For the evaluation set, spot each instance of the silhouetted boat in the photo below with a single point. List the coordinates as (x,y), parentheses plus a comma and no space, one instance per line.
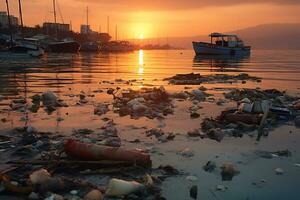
(221,44)
(27,46)
(90,47)
(20,48)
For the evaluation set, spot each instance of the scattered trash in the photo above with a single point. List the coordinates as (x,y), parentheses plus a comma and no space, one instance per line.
(197,79)
(101,109)
(40,177)
(148,102)
(160,135)
(221,188)
(169,170)
(279,171)
(118,187)
(191,178)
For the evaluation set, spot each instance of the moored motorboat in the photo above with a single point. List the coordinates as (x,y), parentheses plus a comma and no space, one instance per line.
(63,47)
(90,47)
(222,44)
(23,48)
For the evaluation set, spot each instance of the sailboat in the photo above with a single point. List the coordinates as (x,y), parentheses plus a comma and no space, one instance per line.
(64,46)
(20,48)
(90,46)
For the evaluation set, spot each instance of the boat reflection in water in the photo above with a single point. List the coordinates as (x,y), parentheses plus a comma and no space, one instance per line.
(221,63)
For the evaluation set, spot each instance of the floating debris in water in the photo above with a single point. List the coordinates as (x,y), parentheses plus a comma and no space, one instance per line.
(197,79)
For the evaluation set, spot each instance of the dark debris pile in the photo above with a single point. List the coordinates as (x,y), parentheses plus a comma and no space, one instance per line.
(148,102)
(197,79)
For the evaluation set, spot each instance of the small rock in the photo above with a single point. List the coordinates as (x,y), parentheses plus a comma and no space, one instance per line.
(202,88)
(169,170)
(221,188)
(101,109)
(74,192)
(180,95)
(199,95)
(297,122)
(55,197)
(195,115)
(296,105)
(33,196)
(194,133)
(228,172)
(59,119)
(82,96)
(36,98)
(49,98)
(279,171)
(83,131)
(186,153)
(216,134)
(31,129)
(191,178)
(194,192)
(39,177)
(263,154)
(220,102)
(93,195)
(210,166)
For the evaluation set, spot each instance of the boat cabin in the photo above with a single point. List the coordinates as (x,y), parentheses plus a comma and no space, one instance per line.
(225,40)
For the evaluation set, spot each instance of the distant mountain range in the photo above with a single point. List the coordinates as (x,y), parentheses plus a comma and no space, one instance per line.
(266,36)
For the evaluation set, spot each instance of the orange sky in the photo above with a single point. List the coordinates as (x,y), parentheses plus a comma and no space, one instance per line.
(162,18)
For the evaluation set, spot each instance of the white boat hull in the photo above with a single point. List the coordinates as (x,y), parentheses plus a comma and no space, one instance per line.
(202,48)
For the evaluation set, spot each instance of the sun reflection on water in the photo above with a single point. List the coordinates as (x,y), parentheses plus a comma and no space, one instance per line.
(141,62)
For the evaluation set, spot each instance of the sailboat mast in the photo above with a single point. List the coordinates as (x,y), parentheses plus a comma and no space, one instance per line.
(116,32)
(20,13)
(54,13)
(87,16)
(108,25)
(9,23)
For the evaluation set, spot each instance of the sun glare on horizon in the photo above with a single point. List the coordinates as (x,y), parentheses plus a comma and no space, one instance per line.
(141,36)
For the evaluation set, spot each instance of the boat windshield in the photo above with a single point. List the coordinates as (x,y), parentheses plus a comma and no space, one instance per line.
(225,40)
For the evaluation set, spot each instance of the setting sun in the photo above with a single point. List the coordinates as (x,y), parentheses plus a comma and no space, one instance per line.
(141,36)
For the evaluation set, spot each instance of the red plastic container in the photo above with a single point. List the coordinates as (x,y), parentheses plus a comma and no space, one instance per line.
(85,151)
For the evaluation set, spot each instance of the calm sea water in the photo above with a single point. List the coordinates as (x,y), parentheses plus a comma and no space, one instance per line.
(67,74)
(280,69)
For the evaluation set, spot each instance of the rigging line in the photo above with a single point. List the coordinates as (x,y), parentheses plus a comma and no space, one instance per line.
(59,11)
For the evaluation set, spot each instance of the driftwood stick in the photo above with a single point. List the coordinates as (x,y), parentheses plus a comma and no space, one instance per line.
(262,122)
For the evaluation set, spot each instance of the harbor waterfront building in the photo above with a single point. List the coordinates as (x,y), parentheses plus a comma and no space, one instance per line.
(4,20)
(85,29)
(58,26)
